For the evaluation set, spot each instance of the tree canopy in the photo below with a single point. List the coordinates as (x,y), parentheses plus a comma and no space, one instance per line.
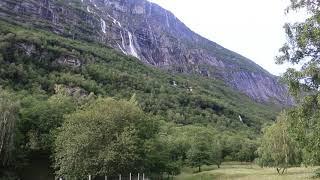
(103,138)
(303,47)
(205,149)
(278,149)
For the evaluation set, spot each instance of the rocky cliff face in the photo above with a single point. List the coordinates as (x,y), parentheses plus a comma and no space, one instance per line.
(150,33)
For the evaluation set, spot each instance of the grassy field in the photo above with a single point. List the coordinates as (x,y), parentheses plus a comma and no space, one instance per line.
(237,171)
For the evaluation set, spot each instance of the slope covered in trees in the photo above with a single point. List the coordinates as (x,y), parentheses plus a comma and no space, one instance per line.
(57,81)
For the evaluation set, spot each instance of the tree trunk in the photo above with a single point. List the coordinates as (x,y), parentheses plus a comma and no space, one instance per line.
(218,165)
(199,168)
(278,170)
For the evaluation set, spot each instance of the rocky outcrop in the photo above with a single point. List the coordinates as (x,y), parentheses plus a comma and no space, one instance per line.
(150,33)
(69,61)
(260,87)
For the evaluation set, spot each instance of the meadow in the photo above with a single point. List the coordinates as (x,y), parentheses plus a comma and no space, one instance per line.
(246,171)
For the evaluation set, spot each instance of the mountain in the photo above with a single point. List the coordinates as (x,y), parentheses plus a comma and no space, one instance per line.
(39,63)
(150,33)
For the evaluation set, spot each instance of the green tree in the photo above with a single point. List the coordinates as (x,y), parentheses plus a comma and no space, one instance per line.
(40,116)
(237,147)
(304,84)
(9,108)
(205,150)
(102,138)
(277,148)
(246,152)
(159,158)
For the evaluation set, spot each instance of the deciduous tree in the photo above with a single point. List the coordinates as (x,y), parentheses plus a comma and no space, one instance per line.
(277,148)
(205,149)
(303,47)
(9,108)
(104,138)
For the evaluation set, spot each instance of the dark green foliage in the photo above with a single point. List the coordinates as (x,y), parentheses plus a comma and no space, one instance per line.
(10,153)
(159,158)
(239,147)
(192,145)
(205,149)
(9,108)
(7,175)
(105,137)
(40,116)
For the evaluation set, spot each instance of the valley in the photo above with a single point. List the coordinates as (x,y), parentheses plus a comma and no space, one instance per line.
(95,88)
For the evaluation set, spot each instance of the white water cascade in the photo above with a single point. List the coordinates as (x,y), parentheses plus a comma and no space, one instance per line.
(132,49)
(122,41)
(88,9)
(103,26)
(240,118)
(124,52)
(174,83)
(114,20)
(167,19)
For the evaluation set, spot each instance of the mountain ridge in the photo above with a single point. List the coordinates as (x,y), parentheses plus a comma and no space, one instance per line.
(154,35)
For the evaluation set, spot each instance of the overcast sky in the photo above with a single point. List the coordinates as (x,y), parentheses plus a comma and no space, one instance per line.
(252,28)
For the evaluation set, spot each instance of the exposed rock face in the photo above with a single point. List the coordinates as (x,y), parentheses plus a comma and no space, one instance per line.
(70,91)
(151,34)
(69,61)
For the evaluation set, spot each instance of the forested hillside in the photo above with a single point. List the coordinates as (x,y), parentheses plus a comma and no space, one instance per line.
(46,77)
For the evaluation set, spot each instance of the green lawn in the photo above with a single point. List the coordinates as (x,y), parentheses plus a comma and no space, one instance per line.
(237,171)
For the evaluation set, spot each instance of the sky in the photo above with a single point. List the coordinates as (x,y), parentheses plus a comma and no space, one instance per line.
(252,28)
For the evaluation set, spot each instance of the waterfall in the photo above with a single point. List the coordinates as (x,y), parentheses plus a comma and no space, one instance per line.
(122,41)
(240,118)
(132,49)
(174,83)
(103,26)
(150,8)
(121,49)
(167,19)
(115,21)
(88,9)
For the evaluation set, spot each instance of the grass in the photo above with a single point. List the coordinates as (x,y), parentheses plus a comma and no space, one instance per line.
(238,171)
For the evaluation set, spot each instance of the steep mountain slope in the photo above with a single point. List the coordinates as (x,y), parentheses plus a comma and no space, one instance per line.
(150,33)
(38,63)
